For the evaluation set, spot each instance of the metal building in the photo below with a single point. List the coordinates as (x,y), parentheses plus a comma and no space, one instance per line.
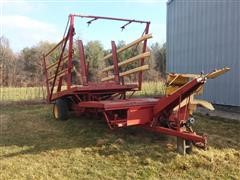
(204,35)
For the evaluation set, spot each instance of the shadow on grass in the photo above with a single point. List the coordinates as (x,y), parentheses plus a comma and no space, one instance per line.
(34,129)
(222,133)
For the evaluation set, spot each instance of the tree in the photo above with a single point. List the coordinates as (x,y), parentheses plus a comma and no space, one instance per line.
(31,60)
(26,69)
(159,56)
(7,63)
(94,53)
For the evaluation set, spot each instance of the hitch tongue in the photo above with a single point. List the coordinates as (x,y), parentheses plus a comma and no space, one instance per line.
(201,145)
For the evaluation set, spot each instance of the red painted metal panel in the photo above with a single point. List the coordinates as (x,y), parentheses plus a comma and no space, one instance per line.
(91,104)
(139,115)
(169,102)
(140,75)
(181,114)
(121,103)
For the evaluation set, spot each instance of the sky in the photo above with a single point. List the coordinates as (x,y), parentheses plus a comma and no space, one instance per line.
(27,22)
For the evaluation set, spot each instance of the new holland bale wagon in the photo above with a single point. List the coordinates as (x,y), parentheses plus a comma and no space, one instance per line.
(170,114)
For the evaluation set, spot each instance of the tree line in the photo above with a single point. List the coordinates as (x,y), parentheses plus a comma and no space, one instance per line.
(25,68)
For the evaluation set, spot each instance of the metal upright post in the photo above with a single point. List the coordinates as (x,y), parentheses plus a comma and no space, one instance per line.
(115,63)
(140,75)
(70,51)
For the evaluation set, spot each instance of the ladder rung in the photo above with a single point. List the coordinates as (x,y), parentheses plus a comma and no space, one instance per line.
(126,73)
(130,60)
(54,64)
(60,74)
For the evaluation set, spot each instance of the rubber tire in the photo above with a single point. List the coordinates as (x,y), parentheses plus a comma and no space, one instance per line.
(61,106)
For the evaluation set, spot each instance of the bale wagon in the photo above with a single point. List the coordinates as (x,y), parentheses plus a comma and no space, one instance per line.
(112,96)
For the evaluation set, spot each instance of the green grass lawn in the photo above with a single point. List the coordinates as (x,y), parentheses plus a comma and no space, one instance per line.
(38,93)
(35,146)
(21,93)
(152,88)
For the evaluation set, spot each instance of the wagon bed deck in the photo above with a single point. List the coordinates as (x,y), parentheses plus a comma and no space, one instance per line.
(120,103)
(97,88)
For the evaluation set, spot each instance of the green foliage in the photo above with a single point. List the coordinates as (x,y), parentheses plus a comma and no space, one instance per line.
(159,58)
(32,59)
(94,53)
(23,69)
(29,58)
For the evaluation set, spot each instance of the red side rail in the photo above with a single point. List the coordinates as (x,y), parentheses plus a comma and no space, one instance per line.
(53,67)
(164,110)
(185,135)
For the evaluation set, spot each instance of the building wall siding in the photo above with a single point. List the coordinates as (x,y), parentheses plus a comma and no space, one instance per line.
(203,36)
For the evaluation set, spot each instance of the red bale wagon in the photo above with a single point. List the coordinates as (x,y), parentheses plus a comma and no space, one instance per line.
(170,114)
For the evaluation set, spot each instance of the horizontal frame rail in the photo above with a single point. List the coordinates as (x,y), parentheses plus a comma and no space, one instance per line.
(54,64)
(61,73)
(135,70)
(147,36)
(130,60)
(109,18)
(55,47)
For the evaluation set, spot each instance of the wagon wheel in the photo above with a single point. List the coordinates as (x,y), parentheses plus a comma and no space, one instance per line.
(60,110)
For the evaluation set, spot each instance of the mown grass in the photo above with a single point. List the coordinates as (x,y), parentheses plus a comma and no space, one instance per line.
(152,88)
(35,146)
(39,93)
(22,93)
